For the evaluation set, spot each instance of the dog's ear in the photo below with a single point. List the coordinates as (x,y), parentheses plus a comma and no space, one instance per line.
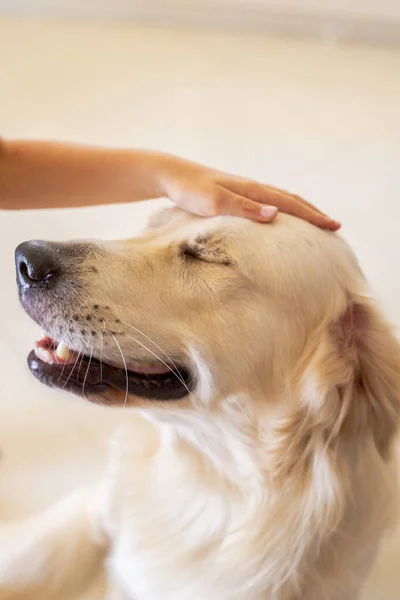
(357,366)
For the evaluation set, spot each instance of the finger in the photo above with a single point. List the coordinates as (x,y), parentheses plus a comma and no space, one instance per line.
(229,203)
(303,211)
(299,199)
(284,201)
(265,194)
(268,194)
(302,201)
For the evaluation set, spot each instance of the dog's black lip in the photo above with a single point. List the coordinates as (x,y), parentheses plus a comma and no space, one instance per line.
(90,377)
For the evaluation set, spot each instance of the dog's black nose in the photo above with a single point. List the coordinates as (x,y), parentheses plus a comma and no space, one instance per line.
(36,262)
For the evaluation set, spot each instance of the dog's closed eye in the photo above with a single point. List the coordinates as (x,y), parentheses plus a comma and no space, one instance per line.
(200,250)
(190,251)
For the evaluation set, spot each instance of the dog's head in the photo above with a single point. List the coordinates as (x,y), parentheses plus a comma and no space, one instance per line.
(194,310)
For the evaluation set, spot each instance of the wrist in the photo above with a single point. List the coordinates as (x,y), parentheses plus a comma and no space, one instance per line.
(164,167)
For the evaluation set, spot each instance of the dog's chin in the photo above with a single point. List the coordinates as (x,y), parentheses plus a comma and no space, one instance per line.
(97,380)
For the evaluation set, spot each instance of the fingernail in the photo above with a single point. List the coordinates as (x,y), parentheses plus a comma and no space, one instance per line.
(268,212)
(331,220)
(335,223)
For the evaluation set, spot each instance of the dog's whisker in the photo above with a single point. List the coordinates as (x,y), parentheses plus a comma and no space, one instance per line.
(62,370)
(179,374)
(164,363)
(101,353)
(126,369)
(174,370)
(82,357)
(73,369)
(87,371)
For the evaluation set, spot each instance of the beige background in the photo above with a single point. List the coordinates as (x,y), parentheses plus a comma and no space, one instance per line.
(371,20)
(320,119)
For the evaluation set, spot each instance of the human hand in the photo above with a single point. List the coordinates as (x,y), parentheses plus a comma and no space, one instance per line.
(36,174)
(207,192)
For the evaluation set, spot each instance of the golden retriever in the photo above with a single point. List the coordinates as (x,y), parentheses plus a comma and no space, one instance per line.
(256,461)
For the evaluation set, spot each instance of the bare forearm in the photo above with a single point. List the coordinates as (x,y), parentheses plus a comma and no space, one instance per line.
(55,175)
(49,175)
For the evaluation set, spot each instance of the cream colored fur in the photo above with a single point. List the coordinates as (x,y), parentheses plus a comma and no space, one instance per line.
(275,479)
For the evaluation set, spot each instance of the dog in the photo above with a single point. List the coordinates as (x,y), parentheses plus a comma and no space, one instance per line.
(262,393)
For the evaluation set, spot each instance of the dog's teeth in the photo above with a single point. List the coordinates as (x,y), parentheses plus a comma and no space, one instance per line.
(44,355)
(62,351)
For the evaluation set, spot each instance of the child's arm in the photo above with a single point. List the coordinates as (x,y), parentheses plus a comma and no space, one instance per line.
(50,175)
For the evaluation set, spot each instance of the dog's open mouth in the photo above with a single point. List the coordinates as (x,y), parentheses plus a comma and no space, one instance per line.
(56,365)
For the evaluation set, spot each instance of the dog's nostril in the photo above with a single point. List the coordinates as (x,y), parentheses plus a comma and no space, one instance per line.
(23,270)
(35,272)
(35,263)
